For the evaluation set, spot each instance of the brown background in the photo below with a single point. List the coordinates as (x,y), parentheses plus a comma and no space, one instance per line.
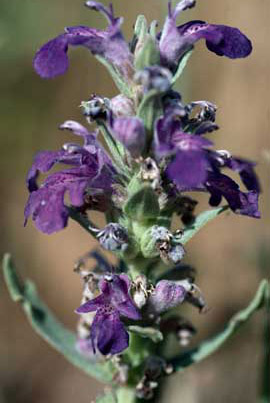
(226,253)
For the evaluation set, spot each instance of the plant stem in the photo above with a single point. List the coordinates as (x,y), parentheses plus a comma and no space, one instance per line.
(126,395)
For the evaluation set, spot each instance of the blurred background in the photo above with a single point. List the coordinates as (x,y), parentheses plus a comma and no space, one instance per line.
(228,254)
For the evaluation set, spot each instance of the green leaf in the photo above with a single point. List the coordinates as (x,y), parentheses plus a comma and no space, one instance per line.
(142,205)
(181,66)
(210,346)
(200,221)
(148,55)
(265,392)
(126,395)
(140,28)
(47,326)
(107,398)
(149,110)
(121,84)
(147,332)
(153,28)
(116,149)
(119,395)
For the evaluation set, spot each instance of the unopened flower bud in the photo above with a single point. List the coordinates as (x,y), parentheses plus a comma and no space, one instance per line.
(122,106)
(130,132)
(113,237)
(167,295)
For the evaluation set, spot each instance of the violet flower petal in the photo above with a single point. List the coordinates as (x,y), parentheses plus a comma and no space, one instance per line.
(51,60)
(241,203)
(188,169)
(131,133)
(93,304)
(220,39)
(112,338)
(43,162)
(117,291)
(47,208)
(246,171)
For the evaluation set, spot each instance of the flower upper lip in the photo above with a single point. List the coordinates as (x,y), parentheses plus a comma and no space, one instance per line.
(51,59)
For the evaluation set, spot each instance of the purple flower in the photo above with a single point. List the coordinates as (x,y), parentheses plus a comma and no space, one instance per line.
(91,171)
(122,106)
(220,39)
(52,60)
(168,295)
(192,166)
(108,332)
(245,169)
(191,160)
(220,185)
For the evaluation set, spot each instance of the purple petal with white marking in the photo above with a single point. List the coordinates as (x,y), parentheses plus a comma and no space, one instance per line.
(46,205)
(52,60)
(220,39)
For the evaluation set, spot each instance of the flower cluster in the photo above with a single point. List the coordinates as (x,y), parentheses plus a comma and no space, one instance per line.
(157,153)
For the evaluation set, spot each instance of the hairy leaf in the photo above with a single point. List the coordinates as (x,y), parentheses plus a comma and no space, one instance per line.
(208,347)
(200,221)
(148,332)
(265,393)
(149,110)
(181,66)
(148,55)
(109,397)
(142,205)
(140,28)
(47,326)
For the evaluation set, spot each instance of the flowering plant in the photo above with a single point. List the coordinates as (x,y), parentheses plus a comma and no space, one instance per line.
(153,155)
